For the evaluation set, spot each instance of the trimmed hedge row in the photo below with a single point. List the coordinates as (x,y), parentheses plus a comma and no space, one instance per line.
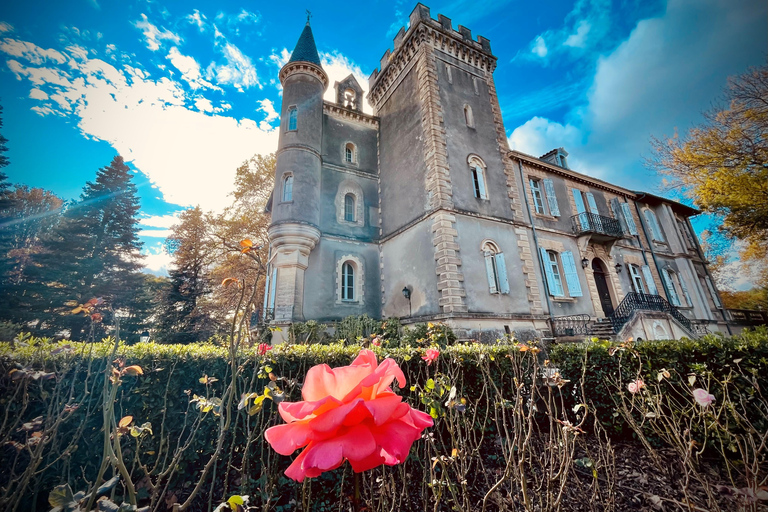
(485,376)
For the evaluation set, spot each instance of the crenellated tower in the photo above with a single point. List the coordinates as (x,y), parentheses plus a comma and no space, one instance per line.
(296,208)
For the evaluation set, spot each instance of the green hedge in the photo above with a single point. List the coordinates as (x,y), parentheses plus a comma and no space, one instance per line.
(485,376)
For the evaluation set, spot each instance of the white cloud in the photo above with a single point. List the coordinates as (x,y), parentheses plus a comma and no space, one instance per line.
(539,47)
(204,105)
(268,108)
(189,69)
(662,76)
(154,35)
(5,27)
(234,21)
(237,70)
(30,52)
(37,94)
(155,233)
(156,260)
(160,221)
(199,19)
(191,156)
(578,38)
(280,59)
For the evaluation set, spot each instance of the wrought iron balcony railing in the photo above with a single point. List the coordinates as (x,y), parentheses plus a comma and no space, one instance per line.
(645,302)
(587,222)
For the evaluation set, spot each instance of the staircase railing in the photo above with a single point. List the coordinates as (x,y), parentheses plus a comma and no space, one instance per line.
(645,302)
(571,325)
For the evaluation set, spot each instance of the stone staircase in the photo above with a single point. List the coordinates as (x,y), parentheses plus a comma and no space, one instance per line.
(602,328)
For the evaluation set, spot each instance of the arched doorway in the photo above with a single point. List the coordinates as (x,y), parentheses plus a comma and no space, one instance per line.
(601,281)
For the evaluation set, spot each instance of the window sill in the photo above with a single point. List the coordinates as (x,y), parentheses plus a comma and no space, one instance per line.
(286,202)
(563,299)
(544,216)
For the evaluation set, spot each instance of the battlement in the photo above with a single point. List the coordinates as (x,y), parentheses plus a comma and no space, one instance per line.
(421,16)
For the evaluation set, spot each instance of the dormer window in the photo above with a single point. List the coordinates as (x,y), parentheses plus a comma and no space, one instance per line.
(563,161)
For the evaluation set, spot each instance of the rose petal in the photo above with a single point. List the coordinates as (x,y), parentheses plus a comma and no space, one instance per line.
(356,443)
(334,418)
(294,411)
(383,407)
(286,439)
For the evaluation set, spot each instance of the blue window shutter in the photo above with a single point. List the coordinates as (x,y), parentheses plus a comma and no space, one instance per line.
(571,274)
(580,208)
(273,287)
(552,285)
(593,208)
(687,295)
(266,296)
(549,187)
(628,218)
(490,272)
(481,182)
(650,284)
(713,292)
(670,287)
(617,214)
(501,269)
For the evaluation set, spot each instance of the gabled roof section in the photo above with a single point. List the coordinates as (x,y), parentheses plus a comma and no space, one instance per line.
(306,50)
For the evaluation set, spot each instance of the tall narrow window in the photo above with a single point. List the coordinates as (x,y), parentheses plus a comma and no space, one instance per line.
(495,268)
(350,154)
(479,182)
(552,269)
(674,297)
(347,282)
(468,117)
(538,201)
(349,208)
(653,225)
(636,278)
(288,188)
(292,118)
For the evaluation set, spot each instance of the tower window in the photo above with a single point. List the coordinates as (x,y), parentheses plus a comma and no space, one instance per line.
(349,208)
(477,168)
(293,115)
(350,153)
(347,281)
(288,188)
(468,117)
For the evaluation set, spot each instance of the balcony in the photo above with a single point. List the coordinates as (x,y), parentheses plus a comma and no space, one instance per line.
(600,229)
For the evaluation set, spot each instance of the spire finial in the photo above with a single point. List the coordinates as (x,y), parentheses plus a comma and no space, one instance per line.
(309,15)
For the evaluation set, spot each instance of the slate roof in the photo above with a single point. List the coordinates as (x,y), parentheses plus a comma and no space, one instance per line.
(306,50)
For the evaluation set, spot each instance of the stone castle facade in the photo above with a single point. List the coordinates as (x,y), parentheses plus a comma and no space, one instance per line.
(422,212)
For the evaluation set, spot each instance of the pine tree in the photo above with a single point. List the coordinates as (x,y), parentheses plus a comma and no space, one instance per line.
(183,317)
(93,252)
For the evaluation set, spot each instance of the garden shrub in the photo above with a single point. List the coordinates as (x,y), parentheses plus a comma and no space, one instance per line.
(488,445)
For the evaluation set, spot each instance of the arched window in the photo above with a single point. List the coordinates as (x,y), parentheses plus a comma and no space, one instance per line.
(288,188)
(495,268)
(653,225)
(468,117)
(350,153)
(349,208)
(347,281)
(293,115)
(477,168)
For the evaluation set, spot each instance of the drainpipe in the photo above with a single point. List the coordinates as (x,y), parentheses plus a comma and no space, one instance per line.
(709,275)
(536,246)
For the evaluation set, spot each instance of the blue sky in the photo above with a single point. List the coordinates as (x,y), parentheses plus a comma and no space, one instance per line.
(186,91)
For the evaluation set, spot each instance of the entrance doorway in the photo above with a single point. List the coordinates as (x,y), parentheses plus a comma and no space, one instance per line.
(601,281)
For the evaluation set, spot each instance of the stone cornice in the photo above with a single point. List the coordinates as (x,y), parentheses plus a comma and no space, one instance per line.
(572,175)
(299,147)
(301,67)
(355,172)
(347,114)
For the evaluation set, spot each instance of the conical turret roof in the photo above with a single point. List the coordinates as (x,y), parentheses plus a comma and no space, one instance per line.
(306,50)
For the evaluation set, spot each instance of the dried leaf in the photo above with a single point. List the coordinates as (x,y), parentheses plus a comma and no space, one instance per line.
(132,370)
(228,281)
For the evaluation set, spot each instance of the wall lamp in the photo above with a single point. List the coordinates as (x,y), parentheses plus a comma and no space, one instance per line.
(407,295)
(618,268)
(584,263)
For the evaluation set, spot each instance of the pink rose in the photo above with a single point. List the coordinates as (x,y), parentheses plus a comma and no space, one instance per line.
(702,397)
(348,413)
(635,386)
(430,355)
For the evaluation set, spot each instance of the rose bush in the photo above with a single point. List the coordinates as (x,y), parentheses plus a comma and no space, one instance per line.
(348,413)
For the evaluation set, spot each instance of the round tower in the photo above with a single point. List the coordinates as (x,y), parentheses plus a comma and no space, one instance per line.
(294,230)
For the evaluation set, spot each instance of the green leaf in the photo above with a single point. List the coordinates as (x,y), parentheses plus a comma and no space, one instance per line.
(430,384)
(61,496)
(234,501)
